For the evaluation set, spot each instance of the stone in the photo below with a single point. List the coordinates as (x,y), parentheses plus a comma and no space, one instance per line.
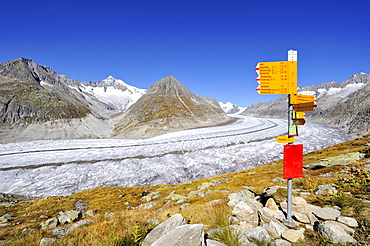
(79,224)
(271,190)
(352,222)
(91,212)
(326,213)
(298,201)
(182,235)
(271,204)
(343,226)
(247,211)
(257,234)
(149,205)
(108,215)
(163,228)
(151,196)
(60,231)
(293,235)
(327,189)
(211,242)
(266,215)
(69,216)
(47,241)
(334,233)
(239,196)
(339,160)
(275,229)
(81,206)
(50,224)
(303,218)
(281,242)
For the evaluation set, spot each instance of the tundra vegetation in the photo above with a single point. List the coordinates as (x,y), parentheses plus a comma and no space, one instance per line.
(121,216)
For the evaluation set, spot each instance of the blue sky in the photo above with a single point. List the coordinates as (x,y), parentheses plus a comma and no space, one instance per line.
(212,47)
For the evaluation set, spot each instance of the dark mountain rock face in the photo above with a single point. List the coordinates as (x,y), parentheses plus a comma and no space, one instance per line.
(345,105)
(168,106)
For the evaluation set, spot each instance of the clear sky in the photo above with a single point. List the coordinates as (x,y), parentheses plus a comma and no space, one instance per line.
(211,46)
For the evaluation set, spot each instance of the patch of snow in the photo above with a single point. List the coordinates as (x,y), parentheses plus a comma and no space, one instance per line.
(349,89)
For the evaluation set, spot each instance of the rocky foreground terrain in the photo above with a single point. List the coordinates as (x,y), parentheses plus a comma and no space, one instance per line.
(331,205)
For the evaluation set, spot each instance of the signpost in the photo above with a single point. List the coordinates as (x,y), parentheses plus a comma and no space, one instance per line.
(280,77)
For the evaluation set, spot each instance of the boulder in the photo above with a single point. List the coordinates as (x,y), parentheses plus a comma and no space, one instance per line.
(334,233)
(352,222)
(280,242)
(50,224)
(239,196)
(326,213)
(185,235)
(266,215)
(47,241)
(151,196)
(258,235)
(327,189)
(247,211)
(275,229)
(271,204)
(293,235)
(163,228)
(69,216)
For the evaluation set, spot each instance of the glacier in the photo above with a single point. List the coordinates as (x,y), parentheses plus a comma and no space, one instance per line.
(63,167)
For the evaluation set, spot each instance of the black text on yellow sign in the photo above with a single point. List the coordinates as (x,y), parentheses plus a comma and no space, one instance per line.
(277,77)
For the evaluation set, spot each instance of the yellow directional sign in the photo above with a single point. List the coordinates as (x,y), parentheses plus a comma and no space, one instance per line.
(298,115)
(297,99)
(304,106)
(277,77)
(284,139)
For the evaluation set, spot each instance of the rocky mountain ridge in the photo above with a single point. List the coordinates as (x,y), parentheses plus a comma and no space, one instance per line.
(345,105)
(38,103)
(166,107)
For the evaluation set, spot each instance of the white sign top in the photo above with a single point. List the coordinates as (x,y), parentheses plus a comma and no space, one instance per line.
(292,55)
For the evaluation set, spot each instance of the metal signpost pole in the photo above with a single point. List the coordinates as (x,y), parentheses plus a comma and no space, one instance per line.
(290,181)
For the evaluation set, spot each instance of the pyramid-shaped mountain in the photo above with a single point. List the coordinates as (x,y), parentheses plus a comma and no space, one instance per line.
(168,106)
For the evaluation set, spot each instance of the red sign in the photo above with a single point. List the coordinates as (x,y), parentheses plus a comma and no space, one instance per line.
(293,161)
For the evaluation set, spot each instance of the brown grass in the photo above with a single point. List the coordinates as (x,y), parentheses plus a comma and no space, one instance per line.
(130,222)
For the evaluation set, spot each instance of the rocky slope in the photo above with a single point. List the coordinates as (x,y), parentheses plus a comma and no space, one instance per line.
(168,106)
(345,105)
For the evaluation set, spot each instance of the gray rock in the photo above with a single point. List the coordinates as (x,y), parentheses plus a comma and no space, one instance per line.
(50,224)
(280,242)
(151,196)
(258,234)
(339,160)
(266,215)
(69,216)
(81,206)
(352,222)
(108,216)
(91,212)
(326,213)
(163,228)
(47,241)
(210,242)
(60,231)
(241,195)
(275,229)
(293,235)
(334,233)
(247,211)
(327,189)
(185,235)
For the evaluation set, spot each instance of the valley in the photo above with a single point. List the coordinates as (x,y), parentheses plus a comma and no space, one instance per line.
(66,166)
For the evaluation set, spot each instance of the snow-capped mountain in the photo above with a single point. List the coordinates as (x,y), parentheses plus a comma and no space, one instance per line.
(230,108)
(113,92)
